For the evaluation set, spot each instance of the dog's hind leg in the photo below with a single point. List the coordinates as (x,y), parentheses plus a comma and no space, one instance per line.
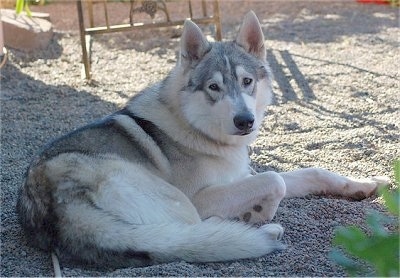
(100,237)
(98,232)
(252,199)
(115,213)
(318,181)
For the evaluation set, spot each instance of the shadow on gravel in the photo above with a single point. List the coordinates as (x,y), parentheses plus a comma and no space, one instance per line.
(327,62)
(35,100)
(141,41)
(288,92)
(331,23)
(303,95)
(32,113)
(355,120)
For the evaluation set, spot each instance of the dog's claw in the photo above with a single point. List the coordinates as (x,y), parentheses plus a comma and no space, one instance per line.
(274,231)
(381,181)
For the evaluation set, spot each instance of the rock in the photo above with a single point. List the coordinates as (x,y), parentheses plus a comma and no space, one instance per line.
(38,15)
(25,33)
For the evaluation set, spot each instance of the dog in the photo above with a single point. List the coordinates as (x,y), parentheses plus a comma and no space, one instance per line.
(167,177)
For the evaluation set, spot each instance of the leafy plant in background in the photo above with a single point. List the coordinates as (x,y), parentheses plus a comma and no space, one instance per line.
(21,5)
(379,248)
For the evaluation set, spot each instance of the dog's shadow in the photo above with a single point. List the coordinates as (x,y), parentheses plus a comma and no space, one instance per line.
(32,113)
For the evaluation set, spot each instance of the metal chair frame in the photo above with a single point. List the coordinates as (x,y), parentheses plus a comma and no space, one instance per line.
(87,32)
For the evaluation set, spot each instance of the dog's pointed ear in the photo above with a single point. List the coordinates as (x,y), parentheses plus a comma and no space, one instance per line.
(251,37)
(193,43)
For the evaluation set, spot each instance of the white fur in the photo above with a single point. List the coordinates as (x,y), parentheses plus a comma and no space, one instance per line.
(157,217)
(214,120)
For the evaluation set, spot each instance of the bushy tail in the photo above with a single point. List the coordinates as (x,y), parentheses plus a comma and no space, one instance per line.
(34,208)
(208,242)
(140,245)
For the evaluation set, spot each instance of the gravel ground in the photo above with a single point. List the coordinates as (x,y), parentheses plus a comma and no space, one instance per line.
(337,106)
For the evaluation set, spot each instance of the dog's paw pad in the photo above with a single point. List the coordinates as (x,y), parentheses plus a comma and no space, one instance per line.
(246,217)
(274,231)
(257,208)
(359,195)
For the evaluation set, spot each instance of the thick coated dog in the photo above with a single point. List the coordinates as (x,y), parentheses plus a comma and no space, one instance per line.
(163,178)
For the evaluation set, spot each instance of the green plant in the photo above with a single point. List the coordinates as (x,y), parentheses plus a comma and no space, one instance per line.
(21,5)
(379,248)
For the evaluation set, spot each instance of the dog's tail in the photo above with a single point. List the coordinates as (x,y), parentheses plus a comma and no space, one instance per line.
(140,245)
(209,241)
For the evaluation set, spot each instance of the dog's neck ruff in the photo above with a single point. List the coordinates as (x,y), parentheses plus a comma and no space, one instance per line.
(152,111)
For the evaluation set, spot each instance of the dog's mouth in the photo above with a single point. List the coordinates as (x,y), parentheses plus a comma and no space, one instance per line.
(244,132)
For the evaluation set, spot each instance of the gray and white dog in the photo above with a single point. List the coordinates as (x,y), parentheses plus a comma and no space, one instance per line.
(162,179)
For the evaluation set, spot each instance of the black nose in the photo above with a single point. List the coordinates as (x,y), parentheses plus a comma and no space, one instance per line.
(244,121)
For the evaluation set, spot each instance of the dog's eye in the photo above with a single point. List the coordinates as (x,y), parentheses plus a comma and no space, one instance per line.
(247,81)
(213,87)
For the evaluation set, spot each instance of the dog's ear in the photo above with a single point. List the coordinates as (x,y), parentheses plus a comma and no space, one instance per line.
(251,37)
(193,43)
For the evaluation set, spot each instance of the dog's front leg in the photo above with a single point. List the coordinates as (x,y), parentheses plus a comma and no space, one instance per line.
(242,198)
(317,181)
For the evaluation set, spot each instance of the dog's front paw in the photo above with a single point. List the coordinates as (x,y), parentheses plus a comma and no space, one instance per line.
(367,187)
(380,181)
(274,231)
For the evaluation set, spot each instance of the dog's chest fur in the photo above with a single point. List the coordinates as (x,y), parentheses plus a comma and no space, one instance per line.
(192,174)
(194,160)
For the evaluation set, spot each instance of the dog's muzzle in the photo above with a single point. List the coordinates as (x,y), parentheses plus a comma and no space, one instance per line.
(244,123)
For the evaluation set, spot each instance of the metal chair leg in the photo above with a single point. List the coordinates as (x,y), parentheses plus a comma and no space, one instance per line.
(84,42)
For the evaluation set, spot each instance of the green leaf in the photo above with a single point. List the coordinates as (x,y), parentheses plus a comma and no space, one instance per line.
(396,167)
(383,254)
(19,6)
(392,200)
(343,235)
(375,221)
(28,11)
(380,249)
(350,265)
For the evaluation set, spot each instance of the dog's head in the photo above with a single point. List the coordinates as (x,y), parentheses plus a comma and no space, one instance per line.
(227,85)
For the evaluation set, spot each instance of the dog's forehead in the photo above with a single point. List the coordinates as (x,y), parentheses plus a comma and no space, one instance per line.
(227,58)
(236,57)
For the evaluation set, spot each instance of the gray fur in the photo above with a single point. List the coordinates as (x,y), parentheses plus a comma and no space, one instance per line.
(55,186)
